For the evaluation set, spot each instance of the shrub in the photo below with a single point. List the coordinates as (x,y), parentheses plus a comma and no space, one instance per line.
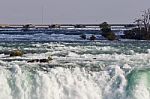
(110,36)
(106,31)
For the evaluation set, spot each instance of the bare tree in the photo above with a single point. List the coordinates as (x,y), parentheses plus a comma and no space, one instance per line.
(144,20)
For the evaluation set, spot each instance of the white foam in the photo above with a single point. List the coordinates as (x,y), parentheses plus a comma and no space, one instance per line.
(22,80)
(5,90)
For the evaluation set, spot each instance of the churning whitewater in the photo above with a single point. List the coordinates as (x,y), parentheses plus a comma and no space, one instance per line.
(79,70)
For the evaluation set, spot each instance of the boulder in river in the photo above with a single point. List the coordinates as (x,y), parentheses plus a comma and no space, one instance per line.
(83,36)
(16,53)
(92,37)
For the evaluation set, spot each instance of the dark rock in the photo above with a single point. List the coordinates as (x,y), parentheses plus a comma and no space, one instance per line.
(40,60)
(36,60)
(32,61)
(43,60)
(92,37)
(83,36)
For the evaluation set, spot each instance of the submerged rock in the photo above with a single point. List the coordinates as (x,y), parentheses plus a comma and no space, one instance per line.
(43,60)
(33,60)
(40,60)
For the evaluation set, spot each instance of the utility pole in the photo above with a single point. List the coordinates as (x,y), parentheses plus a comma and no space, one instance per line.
(42,14)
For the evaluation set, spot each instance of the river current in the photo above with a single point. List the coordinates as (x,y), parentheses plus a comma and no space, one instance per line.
(79,70)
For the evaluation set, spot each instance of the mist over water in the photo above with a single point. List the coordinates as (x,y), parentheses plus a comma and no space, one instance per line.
(79,70)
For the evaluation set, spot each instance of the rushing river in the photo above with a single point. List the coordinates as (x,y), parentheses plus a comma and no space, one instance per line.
(79,70)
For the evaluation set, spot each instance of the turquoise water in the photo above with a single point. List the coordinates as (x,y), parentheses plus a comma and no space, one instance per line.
(79,70)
